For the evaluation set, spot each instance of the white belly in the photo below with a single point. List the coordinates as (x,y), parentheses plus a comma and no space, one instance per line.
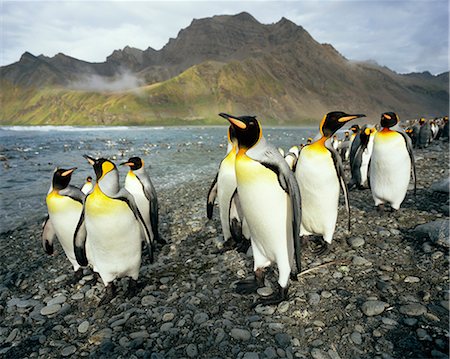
(319,190)
(226,185)
(390,170)
(267,210)
(113,240)
(65,213)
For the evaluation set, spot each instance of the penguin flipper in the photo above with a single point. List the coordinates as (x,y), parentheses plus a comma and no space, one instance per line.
(128,198)
(212,193)
(79,241)
(409,147)
(273,160)
(48,235)
(235,218)
(150,194)
(341,176)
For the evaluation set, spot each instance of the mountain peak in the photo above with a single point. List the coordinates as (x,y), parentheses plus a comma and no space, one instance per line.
(245,16)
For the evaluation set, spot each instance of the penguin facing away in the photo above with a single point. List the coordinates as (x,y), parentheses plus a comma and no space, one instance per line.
(391,163)
(270,201)
(359,164)
(64,205)
(111,229)
(139,184)
(234,228)
(319,175)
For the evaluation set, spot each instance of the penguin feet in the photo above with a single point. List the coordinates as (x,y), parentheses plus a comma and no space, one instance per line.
(380,208)
(228,245)
(133,288)
(76,277)
(243,246)
(277,297)
(109,295)
(249,286)
(322,248)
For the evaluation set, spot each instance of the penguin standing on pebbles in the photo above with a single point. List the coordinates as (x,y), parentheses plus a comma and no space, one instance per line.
(64,204)
(111,229)
(319,175)
(139,184)
(270,201)
(391,163)
(234,228)
(88,186)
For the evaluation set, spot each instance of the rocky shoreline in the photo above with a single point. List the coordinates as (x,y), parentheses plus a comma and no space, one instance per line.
(382,292)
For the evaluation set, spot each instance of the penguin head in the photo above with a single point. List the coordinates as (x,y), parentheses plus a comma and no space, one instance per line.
(355,128)
(134,163)
(61,178)
(89,179)
(333,121)
(309,140)
(247,129)
(232,135)
(389,119)
(101,166)
(422,121)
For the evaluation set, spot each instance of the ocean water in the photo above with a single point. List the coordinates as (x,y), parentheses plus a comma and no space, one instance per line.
(173,156)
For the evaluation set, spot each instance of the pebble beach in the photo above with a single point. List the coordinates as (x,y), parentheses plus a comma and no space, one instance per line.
(381,292)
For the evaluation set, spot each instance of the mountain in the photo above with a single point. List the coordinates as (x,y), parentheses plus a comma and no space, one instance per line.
(223,63)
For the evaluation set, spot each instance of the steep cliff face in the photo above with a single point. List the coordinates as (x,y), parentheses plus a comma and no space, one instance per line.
(277,71)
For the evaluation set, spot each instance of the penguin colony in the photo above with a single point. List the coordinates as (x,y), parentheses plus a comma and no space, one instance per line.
(273,201)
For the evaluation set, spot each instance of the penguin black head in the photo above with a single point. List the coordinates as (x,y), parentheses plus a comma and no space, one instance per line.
(61,178)
(134,163)
(355,128)
(333,121)
(389,119)
(309,140)
(101,166)
(89,179)
(422,121)
(231,134)
(247,129)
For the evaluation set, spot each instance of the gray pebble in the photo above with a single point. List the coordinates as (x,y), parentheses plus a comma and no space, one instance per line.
(57,300)
(423,335)
(373,307)
(166,326)
(77,296)
(326,294)
(313,298)
(51,309)
(319,354)
(240,334)
(250,355)
(283,339)
(83,327)
(265,291)
(263,309)
(167,317)
(356,338)
(410,321)
(356,242)
(69,350)
(283,307)
(192,351)
(413,309)
(411,279)
(200,318)
(148,300)
(360,261)
(389,321)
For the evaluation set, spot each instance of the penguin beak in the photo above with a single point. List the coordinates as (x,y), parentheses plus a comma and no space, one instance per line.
(89,159)
(234,121)
(350,117)
(68,172)
(126,163)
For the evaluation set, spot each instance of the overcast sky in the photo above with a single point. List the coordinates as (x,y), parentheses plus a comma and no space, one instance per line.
(406,36)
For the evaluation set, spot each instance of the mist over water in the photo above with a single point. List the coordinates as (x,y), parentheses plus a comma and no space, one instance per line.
(173,157)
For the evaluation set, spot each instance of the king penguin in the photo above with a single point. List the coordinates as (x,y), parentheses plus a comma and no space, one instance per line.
(88,186)
(139,184)
(111,229)
(224,187)
(319,174)
(64,204)
(391,163)
(270,201)
(359,163)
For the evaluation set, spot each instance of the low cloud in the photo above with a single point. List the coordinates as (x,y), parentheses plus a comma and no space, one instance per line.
(121,82)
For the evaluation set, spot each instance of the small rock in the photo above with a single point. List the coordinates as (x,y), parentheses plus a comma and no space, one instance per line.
(410,321)
(441,186)
(411,279)
(326,294)
(250,355)
(356,242)
(356,338)
(167,317)
(192,351)
(313,298)
(69,350)
(148,300)
(283,339)
(57,300)
(373,307)
(444,304)
(283,307)
(423,335)
(240,334)
(270,353)
(166,327)
(413,309)
(319,354)
(319,323)
(51,309)
(389,321)
(83,327)
(265,291)
(360,261)
(200,318)
(12,335)
(266,309)
(77,296)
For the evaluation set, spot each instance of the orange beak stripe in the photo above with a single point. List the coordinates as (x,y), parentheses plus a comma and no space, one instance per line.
(237,123)
(68,172)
